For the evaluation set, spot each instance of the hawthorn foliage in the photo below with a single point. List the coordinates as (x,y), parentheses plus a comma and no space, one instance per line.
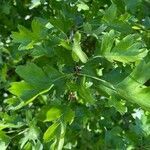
(75,74)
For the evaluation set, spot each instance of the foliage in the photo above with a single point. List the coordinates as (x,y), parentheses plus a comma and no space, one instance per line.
(75,74)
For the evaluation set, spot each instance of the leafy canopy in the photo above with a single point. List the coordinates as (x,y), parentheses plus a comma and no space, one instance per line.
(75,74)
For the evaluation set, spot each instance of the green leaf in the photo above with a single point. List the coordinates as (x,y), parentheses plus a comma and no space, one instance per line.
(32,133)
(39,145)
(120,5)
(37,82)
(118,105)
(129,49)
(77,76)
(26,92)
(87,28)
(65,44)
(110,14)
(61,139)
(107,42)
(4,140)
(77,48)
(86,95)
(69,115)
(39,29)
(132,5)
(138,77)
(50,113)
(53,74)
(27,146)
(34,75)
(82,6)
(132,88)
(9,125)
(139,96)
(35,3)
(24,37)
(62,23)
(84,92)
(27,38)
(51,132)
(23,90)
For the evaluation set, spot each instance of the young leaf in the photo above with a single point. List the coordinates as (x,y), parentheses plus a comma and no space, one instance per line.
(50,113)
(51,132)
(77,48)
(107,42)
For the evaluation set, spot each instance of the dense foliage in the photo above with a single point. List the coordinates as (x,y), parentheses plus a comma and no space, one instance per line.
(75,74)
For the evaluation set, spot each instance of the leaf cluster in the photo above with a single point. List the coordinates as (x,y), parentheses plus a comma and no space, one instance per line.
(75,74)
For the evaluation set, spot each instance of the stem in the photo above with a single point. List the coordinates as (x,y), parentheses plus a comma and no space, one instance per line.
(105,83)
